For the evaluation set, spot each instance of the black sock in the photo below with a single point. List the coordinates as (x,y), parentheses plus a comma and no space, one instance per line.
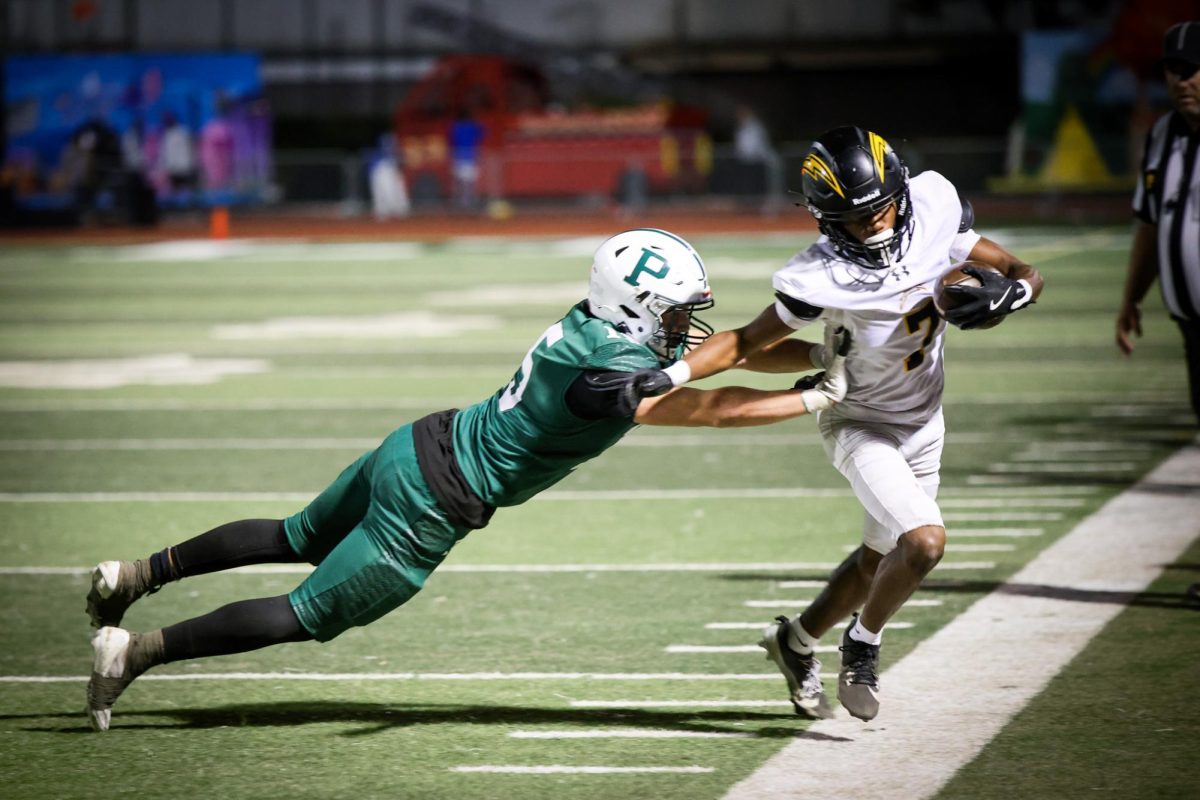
(235,628)
(235,544)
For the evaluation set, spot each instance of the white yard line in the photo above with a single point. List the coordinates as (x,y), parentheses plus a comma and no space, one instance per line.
(599,495)
(732,566)
(914,602)
(334,443)
(393,404)
(558,769)
(156,497)
(680,703)
(415,676)
(758,626)
(630,733)
(1009,502)
(1003,516)
(1035,467)
(959,548)
(982,533)
(1016,491)
(559,495)
(1038,457)
(1010,644)
(1015,482)
(1070,446)
(710,649)
(70,445)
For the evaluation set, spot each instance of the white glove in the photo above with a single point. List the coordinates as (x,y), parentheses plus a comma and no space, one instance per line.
(833,385)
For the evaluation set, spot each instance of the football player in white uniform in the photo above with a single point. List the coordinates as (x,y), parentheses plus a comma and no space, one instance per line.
(886,240)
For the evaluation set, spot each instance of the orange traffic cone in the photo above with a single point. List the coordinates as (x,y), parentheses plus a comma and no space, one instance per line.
(218,223)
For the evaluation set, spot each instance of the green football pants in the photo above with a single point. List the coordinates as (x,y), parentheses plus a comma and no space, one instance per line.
(375,535)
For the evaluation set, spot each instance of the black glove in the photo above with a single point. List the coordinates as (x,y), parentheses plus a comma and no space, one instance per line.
(650,383)
(979,305)
(809,381)
(632,387)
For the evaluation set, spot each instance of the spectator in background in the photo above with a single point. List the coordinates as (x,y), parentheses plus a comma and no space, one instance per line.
(216,149)
(177,154)
(752,146)
(389,195)
(1167,205)
(750,141)
(466,138)
(95,162)
(133,155)
(138,197)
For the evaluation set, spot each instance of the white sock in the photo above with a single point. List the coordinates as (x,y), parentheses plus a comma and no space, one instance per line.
(860,634)
(799,639)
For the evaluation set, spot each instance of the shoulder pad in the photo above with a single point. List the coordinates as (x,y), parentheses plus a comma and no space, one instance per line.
(968,216)
(799,308)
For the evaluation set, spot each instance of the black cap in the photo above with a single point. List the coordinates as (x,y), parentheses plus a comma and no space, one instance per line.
(1182,42)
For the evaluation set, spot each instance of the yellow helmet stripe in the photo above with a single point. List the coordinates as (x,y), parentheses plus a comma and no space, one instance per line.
(879,148)
(814,166)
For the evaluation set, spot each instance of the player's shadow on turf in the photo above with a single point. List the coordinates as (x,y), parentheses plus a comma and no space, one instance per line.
(378,717)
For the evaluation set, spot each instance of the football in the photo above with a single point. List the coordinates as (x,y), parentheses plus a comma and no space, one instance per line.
(945,301)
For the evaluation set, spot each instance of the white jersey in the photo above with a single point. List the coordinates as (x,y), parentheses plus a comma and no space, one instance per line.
(894,369)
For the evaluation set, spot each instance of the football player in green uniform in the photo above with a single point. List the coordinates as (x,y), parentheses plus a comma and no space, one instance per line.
(378,531)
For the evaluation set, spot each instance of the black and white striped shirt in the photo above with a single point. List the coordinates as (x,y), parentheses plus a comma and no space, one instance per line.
(1168,196)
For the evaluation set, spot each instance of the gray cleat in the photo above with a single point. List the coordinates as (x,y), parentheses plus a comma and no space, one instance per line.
(858,681)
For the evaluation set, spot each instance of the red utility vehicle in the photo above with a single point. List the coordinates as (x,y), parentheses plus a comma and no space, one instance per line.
(532,149)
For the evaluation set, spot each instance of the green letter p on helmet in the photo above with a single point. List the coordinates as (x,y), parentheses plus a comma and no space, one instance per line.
(638,277)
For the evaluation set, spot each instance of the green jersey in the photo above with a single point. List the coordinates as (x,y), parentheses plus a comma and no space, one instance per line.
(524,438)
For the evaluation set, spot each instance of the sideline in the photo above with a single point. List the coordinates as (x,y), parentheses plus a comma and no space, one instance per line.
(950,696)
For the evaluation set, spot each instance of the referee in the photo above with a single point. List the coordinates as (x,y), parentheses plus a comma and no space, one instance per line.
(1166,243)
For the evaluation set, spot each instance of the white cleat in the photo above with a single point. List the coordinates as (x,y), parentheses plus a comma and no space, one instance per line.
(115,587)
(110,674)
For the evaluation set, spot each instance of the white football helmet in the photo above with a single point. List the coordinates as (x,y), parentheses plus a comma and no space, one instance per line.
(638,277)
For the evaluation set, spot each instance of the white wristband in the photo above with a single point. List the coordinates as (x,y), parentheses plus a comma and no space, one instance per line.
(679,373)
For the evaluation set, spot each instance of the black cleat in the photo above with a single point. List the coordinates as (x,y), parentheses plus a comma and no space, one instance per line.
(803,673)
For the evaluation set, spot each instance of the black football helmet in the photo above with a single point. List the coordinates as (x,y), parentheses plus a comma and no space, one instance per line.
(849,172)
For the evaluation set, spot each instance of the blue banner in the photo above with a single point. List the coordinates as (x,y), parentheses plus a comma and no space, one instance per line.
(195,127)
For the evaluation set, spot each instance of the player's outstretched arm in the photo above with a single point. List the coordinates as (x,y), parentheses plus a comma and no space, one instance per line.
(725,349)
(786,355)
(739,406)
(719,352)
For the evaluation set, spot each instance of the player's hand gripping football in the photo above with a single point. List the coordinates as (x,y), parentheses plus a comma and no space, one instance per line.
(821,391)
(997,296)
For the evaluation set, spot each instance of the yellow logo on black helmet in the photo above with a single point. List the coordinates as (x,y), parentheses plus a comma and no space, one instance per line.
(816,168)
(879,148)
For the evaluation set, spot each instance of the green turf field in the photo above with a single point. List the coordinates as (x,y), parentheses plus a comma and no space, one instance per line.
(150,393)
